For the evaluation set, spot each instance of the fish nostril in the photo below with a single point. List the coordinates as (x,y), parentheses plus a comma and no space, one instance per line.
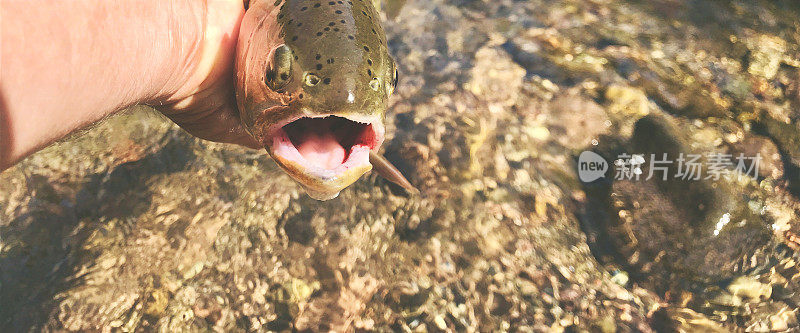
(375,84)
(311,80)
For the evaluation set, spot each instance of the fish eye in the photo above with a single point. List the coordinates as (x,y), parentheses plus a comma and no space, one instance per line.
(279,72)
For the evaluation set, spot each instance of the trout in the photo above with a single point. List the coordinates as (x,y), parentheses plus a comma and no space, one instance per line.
(312,83)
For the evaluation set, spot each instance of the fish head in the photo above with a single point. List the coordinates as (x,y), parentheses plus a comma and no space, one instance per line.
(313,79)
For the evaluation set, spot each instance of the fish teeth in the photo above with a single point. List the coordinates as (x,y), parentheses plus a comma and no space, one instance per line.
(360,118)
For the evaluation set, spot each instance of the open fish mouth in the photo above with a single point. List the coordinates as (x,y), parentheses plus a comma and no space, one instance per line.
(325,153)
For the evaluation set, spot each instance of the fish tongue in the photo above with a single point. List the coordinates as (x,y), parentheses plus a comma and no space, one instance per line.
(321,149)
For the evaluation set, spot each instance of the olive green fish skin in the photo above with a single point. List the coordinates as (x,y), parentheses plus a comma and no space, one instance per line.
(343,44)
(339,44)
(301,58)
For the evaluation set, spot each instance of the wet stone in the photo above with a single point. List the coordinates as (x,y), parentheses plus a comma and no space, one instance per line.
(770,164)
(685,236)
(576,120)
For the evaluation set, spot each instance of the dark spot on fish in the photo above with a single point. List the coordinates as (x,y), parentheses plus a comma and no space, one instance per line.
(294,38)
(327,80)
(304,8)
(319,33)
(342,21)
(350,37)
(335,29)
(366,48)
(327,29)
(319,66)
(332,24)
(316,5)
(300,24)
(331,3)
(369,72)
(318,57)
(300,96)
(338,11)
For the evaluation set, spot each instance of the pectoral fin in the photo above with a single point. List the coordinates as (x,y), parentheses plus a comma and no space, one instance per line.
(385,168)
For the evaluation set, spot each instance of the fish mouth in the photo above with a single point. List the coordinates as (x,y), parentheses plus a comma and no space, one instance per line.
(325,153)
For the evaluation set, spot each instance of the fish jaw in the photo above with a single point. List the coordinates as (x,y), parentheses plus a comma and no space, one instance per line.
(325,153)
(334,62)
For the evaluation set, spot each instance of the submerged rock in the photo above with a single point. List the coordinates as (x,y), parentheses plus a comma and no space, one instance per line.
(703,240)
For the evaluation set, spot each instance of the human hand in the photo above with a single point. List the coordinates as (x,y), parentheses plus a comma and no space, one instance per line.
(204,102)
(67,64)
